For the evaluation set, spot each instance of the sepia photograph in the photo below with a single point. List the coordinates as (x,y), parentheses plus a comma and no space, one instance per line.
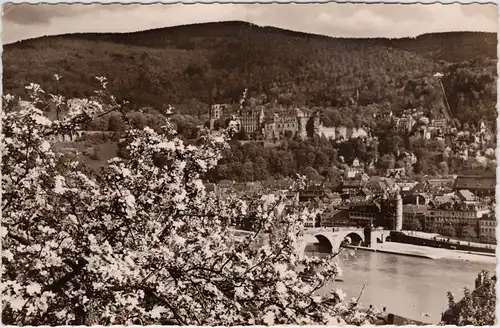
(248,164)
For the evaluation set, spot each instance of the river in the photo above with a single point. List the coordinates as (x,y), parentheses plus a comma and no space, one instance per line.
(405,285)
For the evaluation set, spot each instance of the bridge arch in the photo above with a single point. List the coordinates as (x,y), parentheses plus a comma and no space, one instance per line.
(354,238)
(331,239)
(324,244)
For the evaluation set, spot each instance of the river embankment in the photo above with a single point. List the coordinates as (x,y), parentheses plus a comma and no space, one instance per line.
(428,252)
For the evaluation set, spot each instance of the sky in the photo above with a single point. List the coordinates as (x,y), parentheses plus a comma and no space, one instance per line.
(23,21)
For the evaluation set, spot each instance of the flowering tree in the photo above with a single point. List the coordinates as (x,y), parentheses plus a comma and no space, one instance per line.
(143,242)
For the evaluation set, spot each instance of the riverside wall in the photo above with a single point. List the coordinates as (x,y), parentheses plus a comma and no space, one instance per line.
(399,237)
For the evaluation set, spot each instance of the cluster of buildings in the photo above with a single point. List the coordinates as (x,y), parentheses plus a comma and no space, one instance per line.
(299,123)
(420,127)
(438,205)
(456,201)
(417,124)
(474,145)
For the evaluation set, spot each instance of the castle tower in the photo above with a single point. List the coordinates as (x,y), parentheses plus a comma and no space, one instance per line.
(398,222)
(316,123)
(216,112)
(302,119)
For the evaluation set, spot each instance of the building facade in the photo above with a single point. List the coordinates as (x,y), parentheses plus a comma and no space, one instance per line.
(251,120)
(487,228)
(457,214)
(216,113)
(479,185)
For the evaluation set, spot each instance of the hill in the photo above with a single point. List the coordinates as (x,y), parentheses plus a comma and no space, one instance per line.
(194,65)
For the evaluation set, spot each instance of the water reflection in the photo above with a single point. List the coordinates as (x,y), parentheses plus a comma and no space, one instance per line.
(407,286)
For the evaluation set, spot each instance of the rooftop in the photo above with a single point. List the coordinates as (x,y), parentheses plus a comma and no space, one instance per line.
(414,209)
(466,195)
(475,182)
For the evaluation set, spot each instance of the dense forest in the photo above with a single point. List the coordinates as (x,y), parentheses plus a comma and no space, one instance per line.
(351,82)
(193,66)
(324,160)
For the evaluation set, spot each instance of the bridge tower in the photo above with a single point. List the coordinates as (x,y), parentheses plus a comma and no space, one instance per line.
(399,213)
(368,236)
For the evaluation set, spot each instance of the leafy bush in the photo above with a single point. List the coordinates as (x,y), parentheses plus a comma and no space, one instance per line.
(477,308)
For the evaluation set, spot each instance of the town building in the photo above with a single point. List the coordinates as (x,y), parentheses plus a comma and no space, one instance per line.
(380,213)
(439,127)
(217,110)
(280,185)
(445,183)
(362,195)
(313,192)
(479,185)
(396,172)
(354,171)
(405,185)
(334,199)
(487,228)
(335,217)
(456,213)
(484,135)
(422,132)
(364,214)
(380,185)
(404,123)
(415,198)
(352,186)
(467,197)
(412,212)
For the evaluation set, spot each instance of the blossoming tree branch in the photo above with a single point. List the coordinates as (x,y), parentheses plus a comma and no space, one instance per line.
(143,242)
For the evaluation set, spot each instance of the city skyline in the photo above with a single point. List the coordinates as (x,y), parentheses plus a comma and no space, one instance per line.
(24,21)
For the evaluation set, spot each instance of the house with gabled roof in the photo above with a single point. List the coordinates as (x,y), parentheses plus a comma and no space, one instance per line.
(479,185)
(466,196)
(352,186)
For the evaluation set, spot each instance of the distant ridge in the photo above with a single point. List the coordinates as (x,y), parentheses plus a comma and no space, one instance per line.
(214,62)
(225,28)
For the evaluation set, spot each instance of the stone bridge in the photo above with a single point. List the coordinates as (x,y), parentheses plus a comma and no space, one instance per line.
(330,239)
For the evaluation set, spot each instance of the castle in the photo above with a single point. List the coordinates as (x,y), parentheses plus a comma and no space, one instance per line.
(297,123)
(291,123)
(216,113)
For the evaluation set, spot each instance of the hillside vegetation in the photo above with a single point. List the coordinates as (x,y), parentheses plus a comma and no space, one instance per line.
(195,65)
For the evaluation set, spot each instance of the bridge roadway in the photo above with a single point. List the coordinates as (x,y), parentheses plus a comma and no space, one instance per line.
(330,239)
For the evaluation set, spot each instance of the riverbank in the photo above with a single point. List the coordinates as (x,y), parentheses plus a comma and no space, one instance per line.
(394,252)
(416,238)
(428,252)
(408,286)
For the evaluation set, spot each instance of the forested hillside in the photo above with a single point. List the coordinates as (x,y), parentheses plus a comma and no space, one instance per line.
(195,65)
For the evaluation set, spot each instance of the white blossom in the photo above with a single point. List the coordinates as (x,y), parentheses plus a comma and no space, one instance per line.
(124,245)
(33,288)
(269,318)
